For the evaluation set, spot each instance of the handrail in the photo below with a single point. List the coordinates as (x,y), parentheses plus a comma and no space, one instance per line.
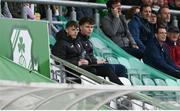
(75,4)
(80,70)
(61,2)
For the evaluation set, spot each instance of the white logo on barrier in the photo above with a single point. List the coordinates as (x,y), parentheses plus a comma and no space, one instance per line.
(21,44)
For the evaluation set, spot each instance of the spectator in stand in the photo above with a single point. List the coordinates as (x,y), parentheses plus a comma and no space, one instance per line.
(86,28)
(15,9)
(173,46)
(158,4)
(131,2)
(156,54)
(164,17)
(130,13)
(85,12)
(140,28)
(5,10)
(175,5)
(70,48)
(114,25)
(170,1)
(147,2)
(28,11)
(153,21)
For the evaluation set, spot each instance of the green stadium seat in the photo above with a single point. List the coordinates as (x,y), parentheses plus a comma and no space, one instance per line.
(125,81)
(86,81)
(178,82)
(160,82)
(124,62)
(137,65)
(171,82)
(112,60)
(136,81)
(105,52)
(52,40)
(148,81)
(137,104)
(171,95)
(97,43)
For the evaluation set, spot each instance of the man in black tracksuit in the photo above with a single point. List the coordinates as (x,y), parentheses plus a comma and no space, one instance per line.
(86,28)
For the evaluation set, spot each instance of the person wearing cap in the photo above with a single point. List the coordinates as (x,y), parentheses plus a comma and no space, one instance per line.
(114,25)
(173,46)
(156,54)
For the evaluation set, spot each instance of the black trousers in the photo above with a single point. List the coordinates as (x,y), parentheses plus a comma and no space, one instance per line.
(134,52)
(103,70)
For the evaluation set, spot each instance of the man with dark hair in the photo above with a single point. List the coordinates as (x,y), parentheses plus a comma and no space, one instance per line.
(147,2)
(63,32)
(114,25)
(86,26)
(68,46)
(156,54)
(140,28)
(164,17)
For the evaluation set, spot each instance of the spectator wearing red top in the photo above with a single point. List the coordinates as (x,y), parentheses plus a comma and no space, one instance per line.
(173,46)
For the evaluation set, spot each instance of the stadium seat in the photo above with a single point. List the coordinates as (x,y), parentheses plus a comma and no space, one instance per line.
(137,105)
(178,82)
(138,66)
(149,107)
(160,82)
(136,81)
(171,95)
(97,43)
(105,52)
(86,81)
(112,60)
(171,82)
(125,81)
(148,81)
(124,62)
(52,40)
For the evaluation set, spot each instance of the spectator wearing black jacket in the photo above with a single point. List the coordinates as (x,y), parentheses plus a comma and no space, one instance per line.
(86,28)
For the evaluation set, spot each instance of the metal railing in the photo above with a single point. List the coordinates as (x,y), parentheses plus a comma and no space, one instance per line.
(78,70)
(72,4)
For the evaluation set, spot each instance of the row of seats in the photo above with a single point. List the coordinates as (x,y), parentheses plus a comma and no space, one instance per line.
(153,82)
